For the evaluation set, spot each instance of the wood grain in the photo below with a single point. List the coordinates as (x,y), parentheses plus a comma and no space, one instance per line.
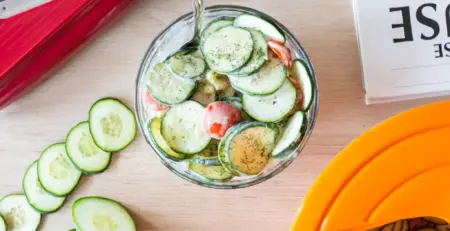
(159,200)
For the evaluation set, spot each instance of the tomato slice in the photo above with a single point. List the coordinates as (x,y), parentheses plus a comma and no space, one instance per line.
(219,117)
(153,103)
(282,52)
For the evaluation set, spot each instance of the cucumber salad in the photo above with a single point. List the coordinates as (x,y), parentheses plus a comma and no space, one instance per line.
(234,105)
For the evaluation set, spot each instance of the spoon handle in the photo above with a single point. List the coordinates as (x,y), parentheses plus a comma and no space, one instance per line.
(199,10)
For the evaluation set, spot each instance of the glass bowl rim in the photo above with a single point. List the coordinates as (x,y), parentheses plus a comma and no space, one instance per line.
(314,107)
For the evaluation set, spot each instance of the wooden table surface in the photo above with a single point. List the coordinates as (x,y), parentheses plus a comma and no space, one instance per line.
(158,199)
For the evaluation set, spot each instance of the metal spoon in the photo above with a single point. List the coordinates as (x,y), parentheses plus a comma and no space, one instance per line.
(198,9)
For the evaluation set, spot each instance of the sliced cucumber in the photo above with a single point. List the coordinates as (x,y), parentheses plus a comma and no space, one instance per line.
(208,156)
(2,224)
(264,82)
(210,172)
(249,147)
(222,154)
(112,125)
(97,213)
(37,197)
(215,25)
(56,172)
(166,88)
(271,108)
(83,151)
(219,81)
(187,67)
(227,49)
(270,30)
(18,214)
(292,135)
(299,70)
(182,128)
(160,143)
(205,94)
(259,56)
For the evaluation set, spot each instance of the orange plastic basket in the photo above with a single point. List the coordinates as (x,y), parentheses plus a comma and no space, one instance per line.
(397,170)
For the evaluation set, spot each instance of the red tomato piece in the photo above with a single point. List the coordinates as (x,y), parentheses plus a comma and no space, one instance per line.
(153,103)
(282,52)
(299,93)
(219,117)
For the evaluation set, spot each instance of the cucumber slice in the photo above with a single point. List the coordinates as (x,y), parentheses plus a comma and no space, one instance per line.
(37,197)
(2,224)
(299,70)
(182,128)
(249,147)
(56,172)
(219,81)
(166,88)
(270,30)
(271,108)
(207,156)
(292,135)
(112,125)
(83,151)
(209,172)
(227,49)
(215,25)
(187,67)
(205,94)
(264,82)
(259,56)
(97,213)
(222,154)
(18,214)
(160,143)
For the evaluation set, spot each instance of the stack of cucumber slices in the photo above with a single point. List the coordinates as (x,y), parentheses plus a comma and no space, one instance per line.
(234,64)
(49,180)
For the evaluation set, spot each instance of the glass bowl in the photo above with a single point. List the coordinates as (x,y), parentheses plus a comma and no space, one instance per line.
(172,38)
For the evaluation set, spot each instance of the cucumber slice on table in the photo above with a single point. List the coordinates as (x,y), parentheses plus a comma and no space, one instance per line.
(18,214)
(264,82)
(112,125)
(37,197)
(292,135)
(57,174)
(215,25)
(227,49)
(271,108)
(222,154)
(160,143)
(187,67)
(208,156)
(183,130)
(259,56)
(166,88)
(83,151)
(249,147)
(210,172)
(2,224)
(270,30)
(97,213)
(301,73)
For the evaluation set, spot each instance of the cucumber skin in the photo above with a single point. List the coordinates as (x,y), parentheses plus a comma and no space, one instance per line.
(132,113)
(159,148)
(276,27)
(83,171)
(287,151)
(313,83)
(193,79)
(38,210)
(103,199)
(74,187)
(239,128)
(20,194)
(210,179)
(187,98)
(223,159)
